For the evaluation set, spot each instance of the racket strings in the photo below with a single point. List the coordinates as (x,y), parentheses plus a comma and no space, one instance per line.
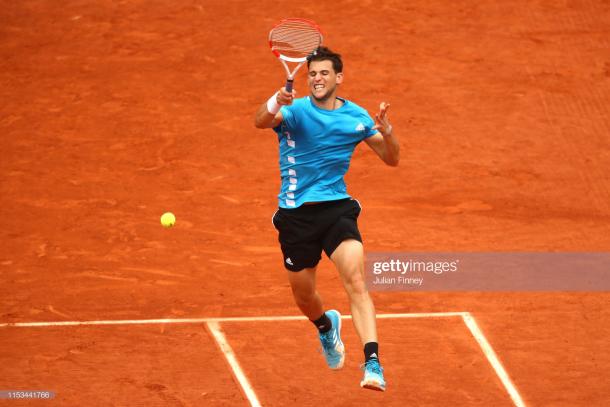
(295,39)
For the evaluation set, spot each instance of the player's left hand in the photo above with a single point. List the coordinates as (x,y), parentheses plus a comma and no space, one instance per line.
(381,120)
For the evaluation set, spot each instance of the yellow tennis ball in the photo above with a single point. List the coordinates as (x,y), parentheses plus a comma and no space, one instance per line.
(168,220)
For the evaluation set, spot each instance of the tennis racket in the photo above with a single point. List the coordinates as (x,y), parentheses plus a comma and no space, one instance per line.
(293,40)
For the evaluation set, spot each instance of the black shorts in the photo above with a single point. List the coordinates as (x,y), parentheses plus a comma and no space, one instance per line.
(307,230)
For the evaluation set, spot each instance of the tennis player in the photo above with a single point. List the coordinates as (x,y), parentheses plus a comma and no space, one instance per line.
(317,136)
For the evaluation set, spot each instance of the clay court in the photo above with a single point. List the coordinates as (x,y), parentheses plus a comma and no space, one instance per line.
(114,112)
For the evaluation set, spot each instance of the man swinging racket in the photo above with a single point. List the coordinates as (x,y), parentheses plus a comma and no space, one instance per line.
(317,136)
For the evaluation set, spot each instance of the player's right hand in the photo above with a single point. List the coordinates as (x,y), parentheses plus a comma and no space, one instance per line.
(284,97)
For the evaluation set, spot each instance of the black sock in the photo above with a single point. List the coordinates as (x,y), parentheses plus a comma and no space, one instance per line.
(371,351)
(323,323)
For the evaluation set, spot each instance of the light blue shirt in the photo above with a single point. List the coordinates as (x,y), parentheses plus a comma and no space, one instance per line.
(316,146)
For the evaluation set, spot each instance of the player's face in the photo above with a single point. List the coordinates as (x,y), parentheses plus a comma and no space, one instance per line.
(323,80)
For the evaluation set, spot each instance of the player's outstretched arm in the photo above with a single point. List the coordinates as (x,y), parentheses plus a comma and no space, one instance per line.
(384,144)
(268,114)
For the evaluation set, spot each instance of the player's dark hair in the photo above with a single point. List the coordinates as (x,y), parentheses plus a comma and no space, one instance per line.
(325,54)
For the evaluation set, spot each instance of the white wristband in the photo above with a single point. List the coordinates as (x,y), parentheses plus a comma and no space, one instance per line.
(272,106)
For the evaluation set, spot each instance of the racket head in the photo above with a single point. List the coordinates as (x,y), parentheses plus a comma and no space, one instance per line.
(294,39)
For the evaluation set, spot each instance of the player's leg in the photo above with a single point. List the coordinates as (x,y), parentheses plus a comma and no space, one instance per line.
(307,298)
(303,285)
(302,252)
(343,244)
(349,261)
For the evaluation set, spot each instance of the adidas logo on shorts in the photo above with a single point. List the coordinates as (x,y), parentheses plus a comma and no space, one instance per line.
(288,261)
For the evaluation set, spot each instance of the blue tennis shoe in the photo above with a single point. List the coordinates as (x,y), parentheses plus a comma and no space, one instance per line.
(332,346)
(373,376)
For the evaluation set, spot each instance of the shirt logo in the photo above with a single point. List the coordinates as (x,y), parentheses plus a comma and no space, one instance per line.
(360,127)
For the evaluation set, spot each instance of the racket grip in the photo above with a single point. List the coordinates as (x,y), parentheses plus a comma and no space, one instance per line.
(289,83)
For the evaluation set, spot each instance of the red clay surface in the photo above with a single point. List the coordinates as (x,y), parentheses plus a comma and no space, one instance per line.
(115,112)
(431,360)
(124,365)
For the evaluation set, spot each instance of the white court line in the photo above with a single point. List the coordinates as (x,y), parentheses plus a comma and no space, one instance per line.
(206,320)
(493,359)
(105,322)
(226,349)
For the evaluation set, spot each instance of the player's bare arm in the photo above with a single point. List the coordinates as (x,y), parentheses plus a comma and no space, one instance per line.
(268,119)
(385,144)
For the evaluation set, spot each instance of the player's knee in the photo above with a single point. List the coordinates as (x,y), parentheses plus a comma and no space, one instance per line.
(355,284)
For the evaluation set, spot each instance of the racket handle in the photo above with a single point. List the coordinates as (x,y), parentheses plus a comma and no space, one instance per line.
(289,83)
